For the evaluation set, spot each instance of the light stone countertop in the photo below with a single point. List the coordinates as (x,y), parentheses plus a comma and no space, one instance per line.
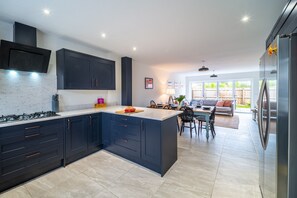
(148,113)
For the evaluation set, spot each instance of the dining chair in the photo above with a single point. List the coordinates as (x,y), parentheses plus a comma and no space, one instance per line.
(201,119)
(188,117)
(153,104)
(167,107)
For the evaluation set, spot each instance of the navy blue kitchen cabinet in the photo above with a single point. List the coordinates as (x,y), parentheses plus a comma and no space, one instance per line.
(103,74)
(76,138)
(94,133)
(151,138)
(73,70)
(76,70)
(30,150)
(126,81)
(125,136)
(150,143)
(83,136)
(106,126)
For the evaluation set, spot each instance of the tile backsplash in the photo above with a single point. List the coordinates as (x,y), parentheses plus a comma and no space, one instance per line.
(25,92)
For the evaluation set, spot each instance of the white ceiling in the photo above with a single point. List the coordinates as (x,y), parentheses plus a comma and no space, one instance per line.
(171,34)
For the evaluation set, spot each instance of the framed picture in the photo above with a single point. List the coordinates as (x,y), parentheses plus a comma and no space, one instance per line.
(148,83)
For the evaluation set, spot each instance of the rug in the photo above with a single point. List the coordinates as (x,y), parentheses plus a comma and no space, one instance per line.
(227,121)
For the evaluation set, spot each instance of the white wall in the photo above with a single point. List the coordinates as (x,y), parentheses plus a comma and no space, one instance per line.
(252,76)
(24,93)
(141,96)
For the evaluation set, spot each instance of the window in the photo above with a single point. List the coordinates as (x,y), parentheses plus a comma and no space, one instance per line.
(210,90)
(197,90)
(226,90)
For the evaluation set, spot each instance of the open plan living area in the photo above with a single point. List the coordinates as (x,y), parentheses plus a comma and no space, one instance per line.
(148,99)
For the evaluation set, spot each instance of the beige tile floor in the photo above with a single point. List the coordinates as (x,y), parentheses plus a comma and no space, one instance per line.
(226,166)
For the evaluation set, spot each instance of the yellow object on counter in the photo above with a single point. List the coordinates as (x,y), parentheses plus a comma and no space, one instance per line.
(100,105)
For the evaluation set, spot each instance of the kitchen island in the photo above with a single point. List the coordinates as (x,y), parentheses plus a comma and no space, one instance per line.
(32,147)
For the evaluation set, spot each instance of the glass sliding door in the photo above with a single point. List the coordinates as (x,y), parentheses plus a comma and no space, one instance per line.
(210,90)
(243,95)
(226,90)
(197,90)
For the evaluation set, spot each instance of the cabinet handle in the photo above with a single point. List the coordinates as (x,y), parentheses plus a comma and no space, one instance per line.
(33,127)
(123,125)
(32,155)
(90,120)
(68,124)
(96,82)
(31,136)
(125,119)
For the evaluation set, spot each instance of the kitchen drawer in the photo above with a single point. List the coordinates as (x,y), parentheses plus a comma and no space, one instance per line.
(126,147)
(126,119)
(18,140)
(128,131)
(14,166)
(29,129)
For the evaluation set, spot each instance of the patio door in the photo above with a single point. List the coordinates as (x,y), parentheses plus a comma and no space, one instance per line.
(243,90)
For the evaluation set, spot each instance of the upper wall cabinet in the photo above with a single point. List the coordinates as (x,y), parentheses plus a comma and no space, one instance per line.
(82,71)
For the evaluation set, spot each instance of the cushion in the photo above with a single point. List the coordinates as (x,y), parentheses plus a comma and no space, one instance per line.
(228,103)
(220,103)
(209,102)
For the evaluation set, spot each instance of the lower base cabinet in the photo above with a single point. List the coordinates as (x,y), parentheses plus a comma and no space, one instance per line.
(150,143)
(83,136)
(30,150)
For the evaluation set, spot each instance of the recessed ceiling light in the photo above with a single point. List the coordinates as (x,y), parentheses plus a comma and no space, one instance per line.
(245,19)
(46,11)
(103,35)
(134,48)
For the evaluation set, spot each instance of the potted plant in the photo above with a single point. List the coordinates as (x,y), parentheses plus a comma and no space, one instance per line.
(180,99)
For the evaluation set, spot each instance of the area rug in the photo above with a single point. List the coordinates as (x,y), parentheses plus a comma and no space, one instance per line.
(227,121)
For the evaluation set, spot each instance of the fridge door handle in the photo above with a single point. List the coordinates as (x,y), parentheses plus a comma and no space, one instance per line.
(267,129)
(260,112)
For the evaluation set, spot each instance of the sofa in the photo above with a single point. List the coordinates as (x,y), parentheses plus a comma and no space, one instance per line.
(221,108)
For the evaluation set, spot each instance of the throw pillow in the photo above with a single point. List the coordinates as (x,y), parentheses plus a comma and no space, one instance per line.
(228,103)
(220,103)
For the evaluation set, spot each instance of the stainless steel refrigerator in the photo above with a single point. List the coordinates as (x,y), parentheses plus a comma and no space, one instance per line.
(277,119)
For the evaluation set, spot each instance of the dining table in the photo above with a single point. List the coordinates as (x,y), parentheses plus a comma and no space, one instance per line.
(204,111)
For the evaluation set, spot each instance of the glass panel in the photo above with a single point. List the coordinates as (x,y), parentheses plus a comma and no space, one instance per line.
(210,90)
(243,95)
(197,90)
(226,90)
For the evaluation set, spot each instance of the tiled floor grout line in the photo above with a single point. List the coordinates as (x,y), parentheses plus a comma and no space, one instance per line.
(218,167)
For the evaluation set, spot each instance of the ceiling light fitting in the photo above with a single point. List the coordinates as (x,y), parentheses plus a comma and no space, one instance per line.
(203,68)
(213,75)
